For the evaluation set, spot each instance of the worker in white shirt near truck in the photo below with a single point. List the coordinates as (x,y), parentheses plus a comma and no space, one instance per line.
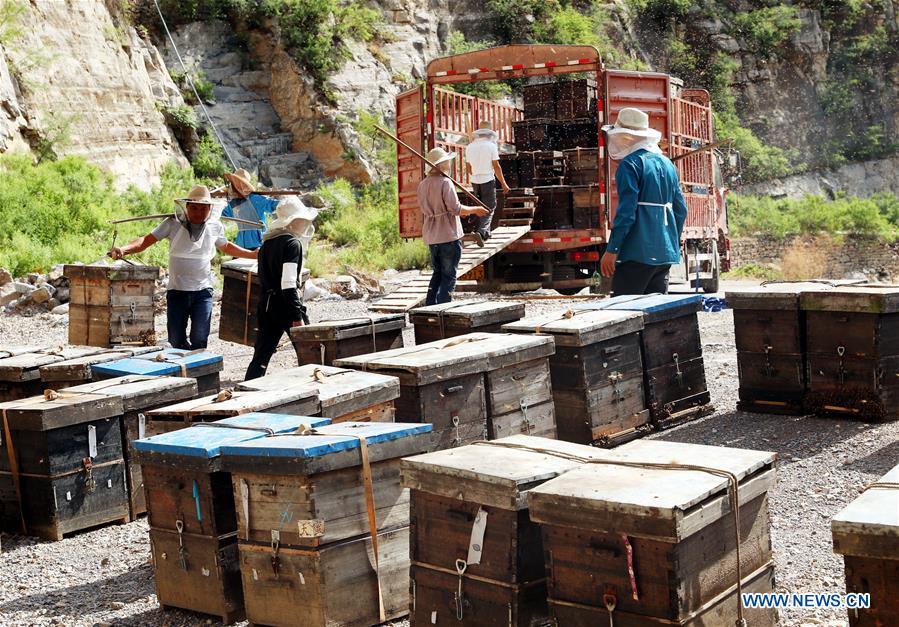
(482,157)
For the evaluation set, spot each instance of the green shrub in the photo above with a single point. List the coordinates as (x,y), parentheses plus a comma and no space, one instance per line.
(383,150)
(761,161)
(661,11)
(209,158)
(754,271)
(876,217)
(768,28)
(61,212)
(182,115)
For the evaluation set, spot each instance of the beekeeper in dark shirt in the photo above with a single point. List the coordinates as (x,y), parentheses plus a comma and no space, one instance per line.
(280,263)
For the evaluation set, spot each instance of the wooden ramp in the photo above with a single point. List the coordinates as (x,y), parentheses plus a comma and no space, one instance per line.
(414,293)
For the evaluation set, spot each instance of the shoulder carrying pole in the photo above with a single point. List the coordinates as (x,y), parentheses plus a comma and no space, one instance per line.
(423,158)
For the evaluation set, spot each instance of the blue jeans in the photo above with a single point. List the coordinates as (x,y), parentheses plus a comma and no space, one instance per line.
(182,306)
(445,261)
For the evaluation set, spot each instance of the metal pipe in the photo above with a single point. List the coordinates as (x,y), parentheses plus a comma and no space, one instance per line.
(423,158)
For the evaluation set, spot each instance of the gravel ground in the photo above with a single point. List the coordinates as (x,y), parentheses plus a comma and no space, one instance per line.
(103,577)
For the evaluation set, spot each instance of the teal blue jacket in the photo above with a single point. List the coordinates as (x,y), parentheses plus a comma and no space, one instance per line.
(647,233)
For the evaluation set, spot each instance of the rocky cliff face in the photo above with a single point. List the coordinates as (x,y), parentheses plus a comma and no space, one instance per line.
(90,86)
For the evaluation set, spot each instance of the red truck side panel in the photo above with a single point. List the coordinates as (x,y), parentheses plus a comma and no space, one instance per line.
(410,169)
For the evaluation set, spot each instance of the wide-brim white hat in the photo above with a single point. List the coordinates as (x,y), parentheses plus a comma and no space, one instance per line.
(438,155)
(633,122)
(290,209)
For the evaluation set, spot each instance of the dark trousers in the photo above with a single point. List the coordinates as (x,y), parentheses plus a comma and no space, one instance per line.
(634,278)
(486,193)
(271,328)
(445,262)
(196,307)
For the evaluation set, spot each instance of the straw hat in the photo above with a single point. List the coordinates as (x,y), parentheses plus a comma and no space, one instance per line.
(199,194)
(290,209)
(438,155)
(240,181)
(634,122)
(485,129)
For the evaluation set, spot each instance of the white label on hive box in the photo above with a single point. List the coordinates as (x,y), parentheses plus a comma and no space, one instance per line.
(314,528)
(91,441)
(141,426)
(476,543)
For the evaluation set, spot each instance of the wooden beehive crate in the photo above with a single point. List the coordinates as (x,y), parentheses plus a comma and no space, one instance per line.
(674,371)
(539,100)
(586,206)
(325,342)
(138,394)
(852,338)
(111,304)
(573,134)
(343,394)
(204,366)
(193,521)
(576,100)
(470,504)
(66,464)
(294,401)
(674,529)
(866,534)
(20,375)
(77,370)
(438,322)
(582,166)
(321,480)
(553,207)
(770,330)
(447,383)
(597,374)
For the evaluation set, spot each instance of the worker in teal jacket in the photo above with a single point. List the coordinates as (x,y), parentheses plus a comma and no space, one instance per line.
(246,204)
(649,219)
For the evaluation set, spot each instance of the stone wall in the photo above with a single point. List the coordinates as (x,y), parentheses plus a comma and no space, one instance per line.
(821,257)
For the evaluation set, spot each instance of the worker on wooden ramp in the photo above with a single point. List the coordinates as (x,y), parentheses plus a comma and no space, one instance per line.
(482,157)
(280,261)
(441,226)
(193,240)
(649,219)
(247,205)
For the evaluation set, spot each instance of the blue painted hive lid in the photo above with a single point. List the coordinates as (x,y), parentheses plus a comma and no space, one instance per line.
(204,441)
(149,364)
(654,306)
(326,440)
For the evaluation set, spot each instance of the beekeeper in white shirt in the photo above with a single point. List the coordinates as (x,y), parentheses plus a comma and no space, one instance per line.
(482,157)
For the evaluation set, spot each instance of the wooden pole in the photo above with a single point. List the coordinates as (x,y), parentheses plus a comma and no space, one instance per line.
(162,216)
(423,158)
(701,149)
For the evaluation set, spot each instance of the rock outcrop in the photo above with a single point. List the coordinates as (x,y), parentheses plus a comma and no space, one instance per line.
(862,179)
(91,86)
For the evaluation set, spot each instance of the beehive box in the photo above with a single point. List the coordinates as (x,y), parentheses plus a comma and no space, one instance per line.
(534,134)
(438,322)
(202,365)
(576,100)
(597,374)
(111,304)
(471,387)
(674,371)
(509,165)
(193,522)
(672,529)
(138,394)
(539,100)
(316,566)
(324,342)
(852,338)
(581,166)
(343,394)
(294,401)
(553,207)
(866,534)
(540,167)
(770,331)
(586,206)
(20,375)
(240,301)
(61,464)
(78,370)
(469,513)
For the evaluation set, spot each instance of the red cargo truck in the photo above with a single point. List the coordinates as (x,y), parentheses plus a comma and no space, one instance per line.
(566,260)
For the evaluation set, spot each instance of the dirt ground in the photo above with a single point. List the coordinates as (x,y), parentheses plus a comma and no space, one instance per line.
(103,577)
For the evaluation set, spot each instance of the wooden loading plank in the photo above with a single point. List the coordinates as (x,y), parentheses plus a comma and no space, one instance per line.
(414,293)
